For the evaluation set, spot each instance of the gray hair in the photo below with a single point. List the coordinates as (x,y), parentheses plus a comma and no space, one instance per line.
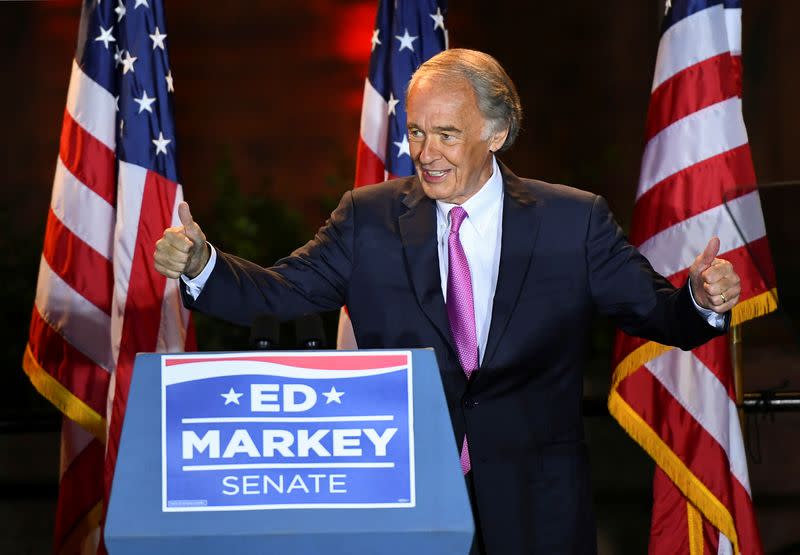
(497,96)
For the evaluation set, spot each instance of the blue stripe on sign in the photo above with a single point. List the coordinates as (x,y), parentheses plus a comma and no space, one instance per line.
(682,9)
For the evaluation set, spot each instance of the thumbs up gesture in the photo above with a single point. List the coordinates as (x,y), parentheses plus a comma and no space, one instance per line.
(715,285)
(182,249)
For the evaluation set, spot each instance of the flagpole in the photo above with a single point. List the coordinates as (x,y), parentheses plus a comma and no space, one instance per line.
(736,356)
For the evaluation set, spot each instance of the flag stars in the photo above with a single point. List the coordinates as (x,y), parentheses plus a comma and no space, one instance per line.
(161,144)
(403,146)
(116,102)
(438,19)
(120,9)
(145,102)
(333,396)
(141,3)
(105,36)
(170,85)
(117,56)
(231,396)
(392,103)
(375,40)
(158,39)
(127,63)
(406,41)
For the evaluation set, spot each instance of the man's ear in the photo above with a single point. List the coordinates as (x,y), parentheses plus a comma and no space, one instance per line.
(497,139)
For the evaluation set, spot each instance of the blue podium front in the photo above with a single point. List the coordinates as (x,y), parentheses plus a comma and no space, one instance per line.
(329,452)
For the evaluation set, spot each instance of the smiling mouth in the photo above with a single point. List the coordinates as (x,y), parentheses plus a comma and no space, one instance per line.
(434,175)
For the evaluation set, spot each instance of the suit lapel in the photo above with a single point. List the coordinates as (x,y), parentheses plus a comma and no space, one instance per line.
(418,235)
(520,228)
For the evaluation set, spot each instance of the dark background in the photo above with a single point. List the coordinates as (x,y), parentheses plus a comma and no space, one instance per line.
(268,101)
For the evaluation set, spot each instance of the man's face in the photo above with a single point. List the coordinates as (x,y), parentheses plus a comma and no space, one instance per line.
(448,139)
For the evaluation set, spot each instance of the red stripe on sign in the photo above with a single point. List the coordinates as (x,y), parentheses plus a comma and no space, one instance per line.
(88,159)
(694,88)
(369,167)
(698,450)
(325,362)
(143,306)
(693,190)
(70,367)
(88,272)
(79,491)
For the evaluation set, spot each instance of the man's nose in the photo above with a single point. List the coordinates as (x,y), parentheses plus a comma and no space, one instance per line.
(428,153)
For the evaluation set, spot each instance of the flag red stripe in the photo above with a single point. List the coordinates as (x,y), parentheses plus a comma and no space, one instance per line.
(680,196)
(698,450)
(143,304)
(88,159)
(668,519)
(746,525)
(79,491)
(369,168)
(692,89)
(71,368)
(79,265)
(715,355)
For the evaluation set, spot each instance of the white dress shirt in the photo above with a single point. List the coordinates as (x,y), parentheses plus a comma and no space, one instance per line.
(480,234)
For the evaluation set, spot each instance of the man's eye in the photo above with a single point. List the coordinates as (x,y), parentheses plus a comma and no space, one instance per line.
(446,136)
(414,133)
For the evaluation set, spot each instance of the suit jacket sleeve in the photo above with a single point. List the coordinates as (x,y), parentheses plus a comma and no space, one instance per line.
(312,279)
(625,287)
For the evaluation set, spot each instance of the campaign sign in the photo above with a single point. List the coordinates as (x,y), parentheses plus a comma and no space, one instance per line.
(287,430)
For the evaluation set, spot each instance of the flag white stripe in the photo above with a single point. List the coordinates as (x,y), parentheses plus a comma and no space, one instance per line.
(675,248)
(92,107)
(80,322)
(690,41)
(704,397)
(74,439)
(733,24)
(129,205)
(705,133)
(82,211)
(725,546)
(374,121)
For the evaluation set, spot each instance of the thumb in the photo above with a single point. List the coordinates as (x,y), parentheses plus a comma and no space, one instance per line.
(190,228)
(185,214)
(709,254)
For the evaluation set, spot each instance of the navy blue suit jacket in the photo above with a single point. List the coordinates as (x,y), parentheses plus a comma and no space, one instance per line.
(562,257)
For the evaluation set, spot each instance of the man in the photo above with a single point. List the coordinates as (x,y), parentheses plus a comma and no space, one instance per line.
(499,274)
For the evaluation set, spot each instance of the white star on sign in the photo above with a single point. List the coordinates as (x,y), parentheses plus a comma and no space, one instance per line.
(141,3)
(392,103)
(403,146)
(158,39)
(161,143)
(105,36)
(145,103)
(170,86)
(438,19)
(406,41)
(231,397)
(127,63)
(120,9)
(333,396)
(375,40)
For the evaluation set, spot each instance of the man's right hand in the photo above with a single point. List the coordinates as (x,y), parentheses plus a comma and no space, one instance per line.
(182,249)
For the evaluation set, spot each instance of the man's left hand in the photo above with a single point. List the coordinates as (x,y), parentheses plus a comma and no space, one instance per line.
(715,285)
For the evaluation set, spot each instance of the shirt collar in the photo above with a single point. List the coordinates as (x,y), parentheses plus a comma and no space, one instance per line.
(482,206)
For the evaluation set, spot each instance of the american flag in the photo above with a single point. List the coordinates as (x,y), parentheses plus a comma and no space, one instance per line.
(697,181)
(99,300)
(406,34)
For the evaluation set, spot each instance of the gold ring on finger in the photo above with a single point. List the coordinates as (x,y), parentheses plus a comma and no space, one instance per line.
(724,300)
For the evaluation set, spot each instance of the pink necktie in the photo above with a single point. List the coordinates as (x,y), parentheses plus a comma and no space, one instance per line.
(461,309)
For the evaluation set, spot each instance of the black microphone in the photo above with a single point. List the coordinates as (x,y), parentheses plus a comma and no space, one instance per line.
(264,333)
(310,332)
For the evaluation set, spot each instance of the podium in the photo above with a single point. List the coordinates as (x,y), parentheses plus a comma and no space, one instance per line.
(302,453)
